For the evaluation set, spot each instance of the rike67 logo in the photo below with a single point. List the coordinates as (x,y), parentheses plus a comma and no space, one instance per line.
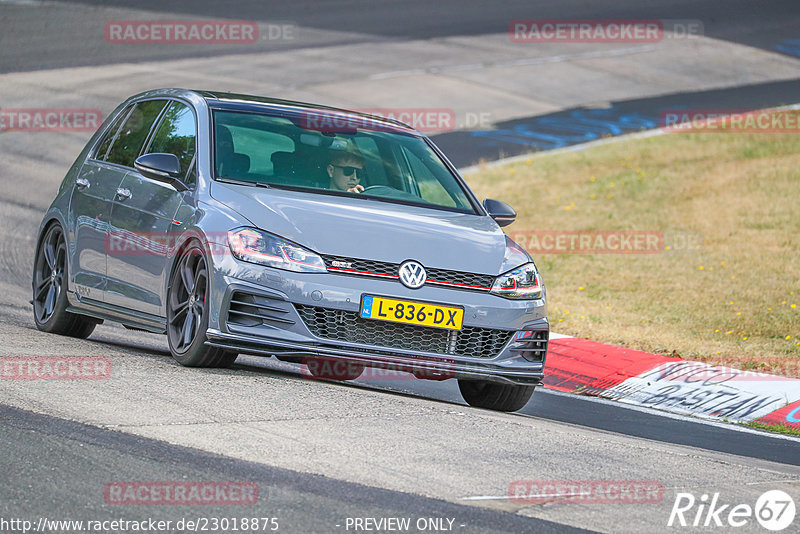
(774,510)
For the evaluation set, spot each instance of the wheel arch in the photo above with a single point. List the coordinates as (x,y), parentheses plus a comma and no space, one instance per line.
(194,234)
(50,219)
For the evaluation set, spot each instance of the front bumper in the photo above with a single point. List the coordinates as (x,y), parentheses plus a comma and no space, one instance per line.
(437,368)
(274,325)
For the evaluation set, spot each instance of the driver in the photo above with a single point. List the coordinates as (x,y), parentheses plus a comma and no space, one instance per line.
(345,170)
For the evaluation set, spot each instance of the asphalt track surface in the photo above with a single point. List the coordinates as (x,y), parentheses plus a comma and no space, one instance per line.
(568,127)
(611,417)
(68,464)
(50,45)
(52,466)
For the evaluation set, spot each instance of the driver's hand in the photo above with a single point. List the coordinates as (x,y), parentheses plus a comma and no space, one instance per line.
(356,189)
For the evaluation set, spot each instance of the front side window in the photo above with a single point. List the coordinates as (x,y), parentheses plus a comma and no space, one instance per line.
(176,134)
(128,141)
(365,159)
(430,188)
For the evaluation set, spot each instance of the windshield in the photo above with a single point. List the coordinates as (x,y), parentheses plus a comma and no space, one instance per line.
(333,154)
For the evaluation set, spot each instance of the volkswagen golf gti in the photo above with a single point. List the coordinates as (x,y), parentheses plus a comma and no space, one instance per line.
(240,224)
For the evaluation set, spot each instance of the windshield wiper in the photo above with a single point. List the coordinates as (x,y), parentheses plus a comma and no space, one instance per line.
(242,182)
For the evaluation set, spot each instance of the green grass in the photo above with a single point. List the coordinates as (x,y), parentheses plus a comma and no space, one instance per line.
(777,427)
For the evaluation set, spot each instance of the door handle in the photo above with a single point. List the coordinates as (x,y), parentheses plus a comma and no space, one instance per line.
(81,183)
(123,194)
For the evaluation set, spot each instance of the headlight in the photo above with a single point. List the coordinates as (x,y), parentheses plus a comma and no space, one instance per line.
(256,246)
(521,283)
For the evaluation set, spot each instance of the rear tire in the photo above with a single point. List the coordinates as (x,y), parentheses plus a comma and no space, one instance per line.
(498,397)
(187,313)
(50,276)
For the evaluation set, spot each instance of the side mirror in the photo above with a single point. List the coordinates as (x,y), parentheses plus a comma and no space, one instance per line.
(502,213)
(162,167)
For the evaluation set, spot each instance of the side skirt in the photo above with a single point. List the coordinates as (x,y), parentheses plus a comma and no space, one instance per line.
(117,314)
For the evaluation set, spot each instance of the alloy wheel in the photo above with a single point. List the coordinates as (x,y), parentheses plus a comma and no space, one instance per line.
(49,274)
(186,301)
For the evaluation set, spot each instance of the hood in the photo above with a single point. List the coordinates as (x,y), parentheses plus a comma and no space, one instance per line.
(374,230)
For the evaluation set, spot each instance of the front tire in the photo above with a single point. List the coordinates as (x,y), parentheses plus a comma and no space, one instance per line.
(50,276)
(491,396)
(187,313)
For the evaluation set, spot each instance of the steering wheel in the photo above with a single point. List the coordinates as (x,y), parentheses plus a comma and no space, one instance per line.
(374,187)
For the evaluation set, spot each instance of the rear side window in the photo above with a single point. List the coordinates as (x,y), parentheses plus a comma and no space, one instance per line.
(245,152)
(110,134)
(131,136)
(260,146)
(176,134)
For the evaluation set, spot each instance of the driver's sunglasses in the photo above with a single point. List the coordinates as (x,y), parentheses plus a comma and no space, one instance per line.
(348,170)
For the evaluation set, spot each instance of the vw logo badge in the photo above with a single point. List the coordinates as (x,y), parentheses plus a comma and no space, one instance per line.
(412,274)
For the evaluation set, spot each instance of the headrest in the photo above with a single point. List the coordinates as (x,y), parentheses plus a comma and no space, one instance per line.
(283,163)
(239,164)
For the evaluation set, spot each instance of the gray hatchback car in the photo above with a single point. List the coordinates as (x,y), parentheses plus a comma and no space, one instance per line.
(339,240)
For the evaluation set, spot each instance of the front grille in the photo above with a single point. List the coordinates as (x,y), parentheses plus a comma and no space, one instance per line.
(362,266)
(532,344)
(339,325)
(482,281)
(246,309)
(442,277)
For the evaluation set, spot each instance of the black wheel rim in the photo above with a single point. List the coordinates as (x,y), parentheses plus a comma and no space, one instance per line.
(186,301)
(48,280)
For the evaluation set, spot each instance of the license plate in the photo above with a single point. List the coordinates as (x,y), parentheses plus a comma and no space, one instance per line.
(410,312)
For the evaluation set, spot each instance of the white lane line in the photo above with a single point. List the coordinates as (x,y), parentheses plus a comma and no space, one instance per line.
(514,498)
(27,2)
(484,498)
(515,62)
(396,73)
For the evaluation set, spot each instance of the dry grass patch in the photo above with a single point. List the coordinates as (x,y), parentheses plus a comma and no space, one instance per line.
(732,297)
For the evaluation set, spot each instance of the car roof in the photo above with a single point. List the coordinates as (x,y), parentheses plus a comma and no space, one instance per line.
(255,103)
